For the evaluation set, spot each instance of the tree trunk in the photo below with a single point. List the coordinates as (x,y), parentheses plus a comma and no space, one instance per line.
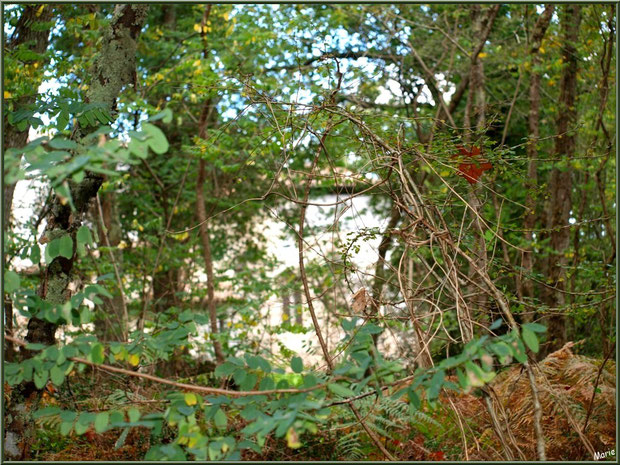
(201,215)
(526,284)
(112,306)
(476,111)
(298,309)
(379,280)
(286,307)
(560,182)
(113,69)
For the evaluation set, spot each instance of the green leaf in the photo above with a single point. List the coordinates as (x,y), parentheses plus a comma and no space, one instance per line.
(40,379)
(80,428)
(436,384)
(52,250)
(414,399)
(35,253)
(101,422)
(165,115)
(249,382)
(223,370)
(83,236)
(220,419)
(11,281)
(138,148)
(86,418)
(530,339)
(134,415)
(57,375)
(61,143)
(35,346)
(62,120)
(157,140)
(66,427)
(68,415)
(297,364)
(97,353)
(501,348)
(65,246)
(462,379)
(340,390)
(46,412)
(535,327)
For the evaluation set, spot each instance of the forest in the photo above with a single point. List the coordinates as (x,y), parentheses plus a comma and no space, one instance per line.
(305,232)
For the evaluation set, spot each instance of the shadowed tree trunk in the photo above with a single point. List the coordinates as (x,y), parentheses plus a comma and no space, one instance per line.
(379,280)
(476,111)
(208,116)
(560,183)
(112,306)
(113,69)
(527,285)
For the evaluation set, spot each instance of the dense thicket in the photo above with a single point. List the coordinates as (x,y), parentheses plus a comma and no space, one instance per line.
(347,230)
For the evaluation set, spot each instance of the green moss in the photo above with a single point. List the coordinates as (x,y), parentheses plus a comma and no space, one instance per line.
(57,283)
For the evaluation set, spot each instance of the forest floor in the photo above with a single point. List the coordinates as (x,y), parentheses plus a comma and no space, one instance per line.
(567,382)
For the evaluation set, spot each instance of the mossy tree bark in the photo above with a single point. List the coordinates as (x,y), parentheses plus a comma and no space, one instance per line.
(113,69)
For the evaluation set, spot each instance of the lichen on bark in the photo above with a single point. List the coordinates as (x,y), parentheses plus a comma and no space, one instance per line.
(114,69)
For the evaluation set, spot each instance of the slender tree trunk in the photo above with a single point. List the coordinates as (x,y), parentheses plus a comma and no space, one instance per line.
(527,263)
(560,182)
(112,306)
(297,302)
(286,307)
(208,116)
(110,75)
(201,215)
(476,111)
(379,280)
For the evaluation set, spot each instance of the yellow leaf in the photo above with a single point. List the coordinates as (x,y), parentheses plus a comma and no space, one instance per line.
(7,94)
(40,10)
(180,237)
(197,63)
(226,15)
(482,55)
(292,439)
(284,317)
(122,245)
(197,27)
(119,356)
(134,360)
(190,398)
(542,49)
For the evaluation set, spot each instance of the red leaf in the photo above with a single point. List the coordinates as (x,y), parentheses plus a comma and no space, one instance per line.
(472,170)
(439,455)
